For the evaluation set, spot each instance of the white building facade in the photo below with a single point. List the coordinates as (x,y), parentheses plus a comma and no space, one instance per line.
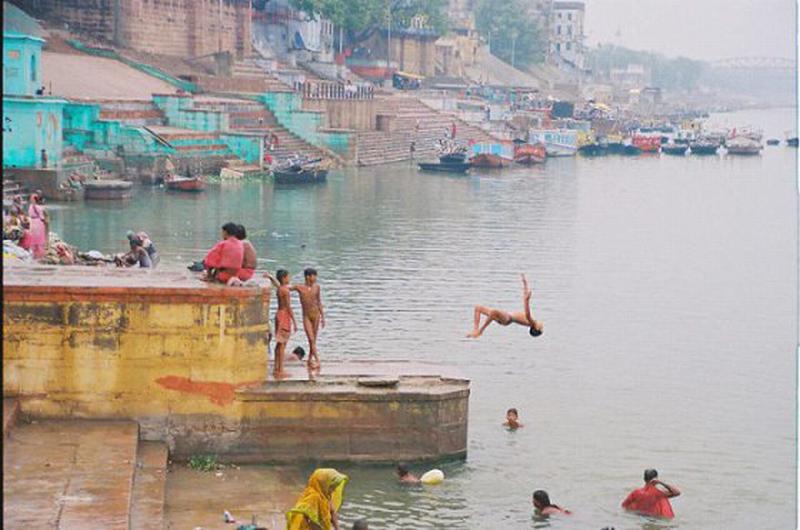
(566,34)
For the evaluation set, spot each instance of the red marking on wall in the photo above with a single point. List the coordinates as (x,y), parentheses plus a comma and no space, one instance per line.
(221,394)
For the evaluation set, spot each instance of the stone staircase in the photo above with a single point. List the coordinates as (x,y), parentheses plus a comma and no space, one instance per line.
(135,113)
(247,77)
(11,188)
(201,152)
(379,147)
(253,117)
(81,474)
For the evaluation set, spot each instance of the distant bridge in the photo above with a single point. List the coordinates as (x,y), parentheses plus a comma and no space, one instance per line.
(781,63)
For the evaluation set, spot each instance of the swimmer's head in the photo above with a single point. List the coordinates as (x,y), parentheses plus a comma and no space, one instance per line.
(300,352)
(402,470)
(361,524)
(541,499)
(512,414)
(283,276)
(650,474)
(537,328)
(241,232)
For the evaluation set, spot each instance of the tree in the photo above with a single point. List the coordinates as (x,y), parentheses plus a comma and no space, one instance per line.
(361,18)
(512,30)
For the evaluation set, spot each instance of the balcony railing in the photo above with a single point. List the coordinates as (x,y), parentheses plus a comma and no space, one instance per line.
(334,90)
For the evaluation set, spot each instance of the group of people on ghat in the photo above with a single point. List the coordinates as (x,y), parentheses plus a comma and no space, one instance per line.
(28,227)
(233,261)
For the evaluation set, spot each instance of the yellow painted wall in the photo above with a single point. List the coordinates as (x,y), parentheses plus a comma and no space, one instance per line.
(74,358)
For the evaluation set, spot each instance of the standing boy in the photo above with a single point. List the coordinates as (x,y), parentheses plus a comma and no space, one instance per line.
(313,315)
(285,324)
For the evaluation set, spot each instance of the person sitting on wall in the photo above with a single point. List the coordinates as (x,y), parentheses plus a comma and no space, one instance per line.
(224,260)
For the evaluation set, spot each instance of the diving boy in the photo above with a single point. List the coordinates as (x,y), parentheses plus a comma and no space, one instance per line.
(504,318)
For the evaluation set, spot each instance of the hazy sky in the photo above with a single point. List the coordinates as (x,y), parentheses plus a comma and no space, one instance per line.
(701,29)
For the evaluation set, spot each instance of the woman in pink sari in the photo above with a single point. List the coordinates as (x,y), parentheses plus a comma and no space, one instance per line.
(38,227)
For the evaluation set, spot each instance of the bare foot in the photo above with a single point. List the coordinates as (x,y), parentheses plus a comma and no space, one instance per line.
(473,335)
(279,376)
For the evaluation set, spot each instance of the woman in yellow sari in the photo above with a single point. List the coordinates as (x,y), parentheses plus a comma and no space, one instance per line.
(317,507)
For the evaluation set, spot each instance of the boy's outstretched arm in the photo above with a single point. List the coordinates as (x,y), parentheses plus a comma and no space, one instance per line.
(273,280)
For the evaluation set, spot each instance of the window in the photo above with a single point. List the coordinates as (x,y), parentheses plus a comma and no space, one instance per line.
(569,30)
(33,67)
(559,15)
(569,46)
(558,30)
(569,16)
(558,46)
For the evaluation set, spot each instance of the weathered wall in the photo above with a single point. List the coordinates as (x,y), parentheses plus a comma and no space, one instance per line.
(128,352)
(345,114)
(30,125)
(184,28)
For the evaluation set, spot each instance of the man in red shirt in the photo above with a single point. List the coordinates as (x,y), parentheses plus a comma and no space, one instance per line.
(651,500)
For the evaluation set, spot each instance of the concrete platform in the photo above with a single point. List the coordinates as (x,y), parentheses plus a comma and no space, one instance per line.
(69,475)
(149,487)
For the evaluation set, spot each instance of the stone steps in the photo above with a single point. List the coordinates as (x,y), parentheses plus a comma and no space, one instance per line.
(149,487)
(10,413)
(69,474)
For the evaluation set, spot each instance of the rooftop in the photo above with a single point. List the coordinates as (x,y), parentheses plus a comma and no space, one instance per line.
(15,20)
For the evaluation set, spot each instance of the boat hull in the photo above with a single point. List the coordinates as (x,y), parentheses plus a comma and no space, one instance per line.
(187,184)
(792,142)
(703,150)
(455,167)
(306,176)
(676,150)
(487,160)
(114,190)
(593,150)
(744,151)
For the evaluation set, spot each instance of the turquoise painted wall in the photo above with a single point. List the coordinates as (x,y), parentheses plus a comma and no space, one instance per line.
(84,129)
(22,60)
(180,112)
(248,147)
(30,125)
(286,106)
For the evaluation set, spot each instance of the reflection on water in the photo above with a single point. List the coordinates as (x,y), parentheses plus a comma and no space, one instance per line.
(669,291)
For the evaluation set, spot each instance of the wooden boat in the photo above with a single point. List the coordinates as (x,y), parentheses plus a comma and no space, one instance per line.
(648,144)
(675,149)
(107,190)
(615,148)
(792,142)
(595,149)
(528,154)
(186,183)
(703,147)
(299,175)
(773,141)
(743,145)
(450,167)
(488,160)
(631,150)
(457,157)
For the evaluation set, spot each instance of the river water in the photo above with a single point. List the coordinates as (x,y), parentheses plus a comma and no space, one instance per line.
(669,290)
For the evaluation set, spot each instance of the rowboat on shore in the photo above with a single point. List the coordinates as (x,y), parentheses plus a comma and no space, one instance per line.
(674,149)
(186,183)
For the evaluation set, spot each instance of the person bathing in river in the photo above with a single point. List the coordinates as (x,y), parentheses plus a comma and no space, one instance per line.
(504,318)
(313,314)
(285,323)
(405,476)
(545,508)
(652,500)
(224,260)
(137,254)
(512,420)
